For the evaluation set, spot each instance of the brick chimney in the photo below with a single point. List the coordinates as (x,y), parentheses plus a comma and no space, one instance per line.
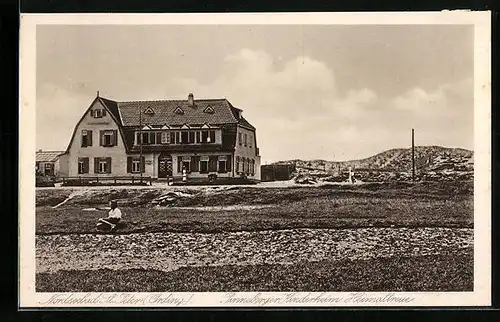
(190,100)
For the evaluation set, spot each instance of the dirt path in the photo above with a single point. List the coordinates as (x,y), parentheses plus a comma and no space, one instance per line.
(169,251)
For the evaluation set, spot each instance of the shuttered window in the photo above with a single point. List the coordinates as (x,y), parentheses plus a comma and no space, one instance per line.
(102,165)
(83,165)
(134,164)
(86,138)
(108,138)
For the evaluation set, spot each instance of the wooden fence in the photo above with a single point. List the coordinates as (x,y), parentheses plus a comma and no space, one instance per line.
(105,181)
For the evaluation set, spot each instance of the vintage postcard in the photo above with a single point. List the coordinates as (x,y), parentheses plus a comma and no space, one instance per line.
(235,160)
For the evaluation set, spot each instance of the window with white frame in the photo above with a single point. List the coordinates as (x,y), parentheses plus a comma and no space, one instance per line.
(103,166)
(136,166)
(165,137)
(81,167)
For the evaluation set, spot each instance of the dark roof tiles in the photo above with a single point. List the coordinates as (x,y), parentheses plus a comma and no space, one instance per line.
(164,112)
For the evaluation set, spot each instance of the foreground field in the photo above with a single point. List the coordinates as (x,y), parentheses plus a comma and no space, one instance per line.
(439,273)
(396,237)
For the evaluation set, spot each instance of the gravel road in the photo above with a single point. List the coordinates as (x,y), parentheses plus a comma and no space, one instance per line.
(169,251)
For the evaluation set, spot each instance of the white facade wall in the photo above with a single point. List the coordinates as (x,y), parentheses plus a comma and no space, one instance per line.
(248,151)
(117,153)
(63,165)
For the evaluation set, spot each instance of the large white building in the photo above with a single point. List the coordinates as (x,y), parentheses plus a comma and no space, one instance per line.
(206,136)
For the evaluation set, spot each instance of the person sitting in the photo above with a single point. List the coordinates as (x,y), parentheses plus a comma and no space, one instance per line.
(114,216)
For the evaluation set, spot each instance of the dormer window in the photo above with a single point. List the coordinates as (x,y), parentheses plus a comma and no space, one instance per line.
(149,111)
(209,109)
(179,110)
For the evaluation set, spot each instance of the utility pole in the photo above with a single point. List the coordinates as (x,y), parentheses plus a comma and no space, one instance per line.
(413,154)
(140,142)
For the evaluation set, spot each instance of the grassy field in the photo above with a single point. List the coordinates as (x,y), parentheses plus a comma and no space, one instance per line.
(399,205)
(408,274)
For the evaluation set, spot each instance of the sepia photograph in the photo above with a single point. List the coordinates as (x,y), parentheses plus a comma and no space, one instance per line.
(292,158)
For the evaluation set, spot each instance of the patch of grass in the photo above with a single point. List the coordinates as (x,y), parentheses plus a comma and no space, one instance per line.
(319,212)
(440,273)
(51,197)
(252,195)
(398,204)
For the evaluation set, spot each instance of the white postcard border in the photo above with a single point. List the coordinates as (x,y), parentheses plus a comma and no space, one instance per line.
(481,296)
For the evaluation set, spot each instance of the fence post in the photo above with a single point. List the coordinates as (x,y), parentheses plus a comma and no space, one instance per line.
(80,180)
(97,179)
(115,180)
(132,179)
(150,181)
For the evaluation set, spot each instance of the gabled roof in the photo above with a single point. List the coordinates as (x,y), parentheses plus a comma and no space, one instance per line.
(47,156)
(112,108)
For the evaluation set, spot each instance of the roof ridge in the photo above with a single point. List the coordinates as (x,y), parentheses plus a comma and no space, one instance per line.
(107,99)
(173,100)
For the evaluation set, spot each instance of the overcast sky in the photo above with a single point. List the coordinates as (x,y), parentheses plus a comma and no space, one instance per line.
(331,92)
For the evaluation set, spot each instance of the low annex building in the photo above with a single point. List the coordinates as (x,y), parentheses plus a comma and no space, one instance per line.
(205,136)
(51,163)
